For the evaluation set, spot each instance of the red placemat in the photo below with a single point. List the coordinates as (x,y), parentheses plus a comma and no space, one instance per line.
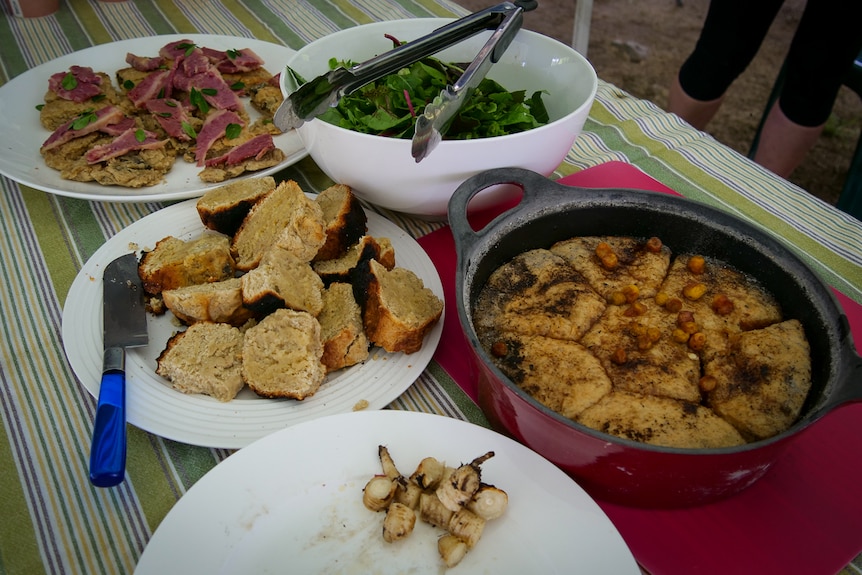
(804,516)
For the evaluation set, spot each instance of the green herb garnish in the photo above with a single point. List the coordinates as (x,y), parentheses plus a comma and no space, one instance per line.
(128,85)
(232,54)
(232,131)
(85,119)
(187,46)
(189,130)
(69,82)
(239,85)
(140,135)
(198,101)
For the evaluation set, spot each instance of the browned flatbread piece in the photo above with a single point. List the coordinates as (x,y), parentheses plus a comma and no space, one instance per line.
(762,383)
(538,293)
(752,306)
(637,265)
(638,365)
(561,375)
(659,421)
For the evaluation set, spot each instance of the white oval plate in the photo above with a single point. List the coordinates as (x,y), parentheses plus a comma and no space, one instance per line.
(292,503)
(23,135)
(154,406)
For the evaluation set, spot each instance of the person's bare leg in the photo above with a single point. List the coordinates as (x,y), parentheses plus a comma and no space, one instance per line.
(698,113)
(784,144)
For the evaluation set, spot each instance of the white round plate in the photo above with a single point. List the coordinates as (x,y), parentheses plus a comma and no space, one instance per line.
(154,406)
(292,503)
(23,135)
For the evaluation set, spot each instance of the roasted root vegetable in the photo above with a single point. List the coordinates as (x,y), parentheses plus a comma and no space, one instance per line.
(428,473)
(451,549)
(489,502)
(378,493)
(398,523)
(452,499)
(432,510)
(459,487)
(466,526)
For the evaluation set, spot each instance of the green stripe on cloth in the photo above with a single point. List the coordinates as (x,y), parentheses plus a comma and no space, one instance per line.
(93,26)
(53,240)
(11,59)
(461,399)
(347,15)
(162,471)
(19,551)
(274,22)
(178,20)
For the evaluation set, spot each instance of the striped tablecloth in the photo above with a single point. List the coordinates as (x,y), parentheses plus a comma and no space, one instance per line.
(53,521)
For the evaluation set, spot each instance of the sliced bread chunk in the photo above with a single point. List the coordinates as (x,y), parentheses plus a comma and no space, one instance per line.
(344,340)
(282,280)
(345,219)
(286,218)
(206,358)
(281,355)
(224,208)
(397,309)
(218,301)
(367,248)
(174,263)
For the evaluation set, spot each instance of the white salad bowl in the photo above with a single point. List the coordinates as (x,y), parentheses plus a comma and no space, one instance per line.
(382,170)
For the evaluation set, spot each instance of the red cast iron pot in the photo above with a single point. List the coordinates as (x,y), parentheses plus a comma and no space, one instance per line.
(611,468)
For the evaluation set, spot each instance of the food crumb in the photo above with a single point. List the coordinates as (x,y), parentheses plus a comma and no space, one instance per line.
(360,405)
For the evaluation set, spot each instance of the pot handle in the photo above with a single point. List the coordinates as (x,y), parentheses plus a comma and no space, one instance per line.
(532,183)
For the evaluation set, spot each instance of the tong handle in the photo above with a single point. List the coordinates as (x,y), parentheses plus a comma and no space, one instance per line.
(434,120)
(431,43)
(315,96)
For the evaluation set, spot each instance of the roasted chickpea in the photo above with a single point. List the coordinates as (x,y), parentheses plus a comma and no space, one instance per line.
(722,305)
(696,264)
(697,341)
(694,291)
(707,383)
(653,245)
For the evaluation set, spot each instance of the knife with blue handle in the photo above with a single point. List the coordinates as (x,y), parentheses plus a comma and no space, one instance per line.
(125,325)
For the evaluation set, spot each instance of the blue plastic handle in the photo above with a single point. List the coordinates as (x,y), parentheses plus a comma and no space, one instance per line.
(108,451)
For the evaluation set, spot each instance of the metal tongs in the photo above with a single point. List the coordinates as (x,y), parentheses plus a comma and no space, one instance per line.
(317,95)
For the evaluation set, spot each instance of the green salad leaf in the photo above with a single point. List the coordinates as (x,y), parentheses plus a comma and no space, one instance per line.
(389,106)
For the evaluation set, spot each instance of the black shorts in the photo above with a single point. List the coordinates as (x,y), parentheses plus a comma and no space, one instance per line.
(827,41)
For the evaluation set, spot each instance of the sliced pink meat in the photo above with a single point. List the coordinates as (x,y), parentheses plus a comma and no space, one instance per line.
(214,128)
(119,127)
(145,63)
(154,85)
(95,121)
(170,114)
(175,50)
(216,91)
(195,63)
(81,84)
(254,148)
(233,61)
(132,139)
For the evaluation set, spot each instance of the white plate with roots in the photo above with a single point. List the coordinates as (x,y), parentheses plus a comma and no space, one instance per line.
(292,503)
(154,406)
(23,134)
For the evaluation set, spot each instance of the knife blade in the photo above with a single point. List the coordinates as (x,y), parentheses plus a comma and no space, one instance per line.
(125,325)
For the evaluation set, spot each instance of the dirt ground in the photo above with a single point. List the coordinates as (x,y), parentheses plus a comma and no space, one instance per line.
(639,45)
